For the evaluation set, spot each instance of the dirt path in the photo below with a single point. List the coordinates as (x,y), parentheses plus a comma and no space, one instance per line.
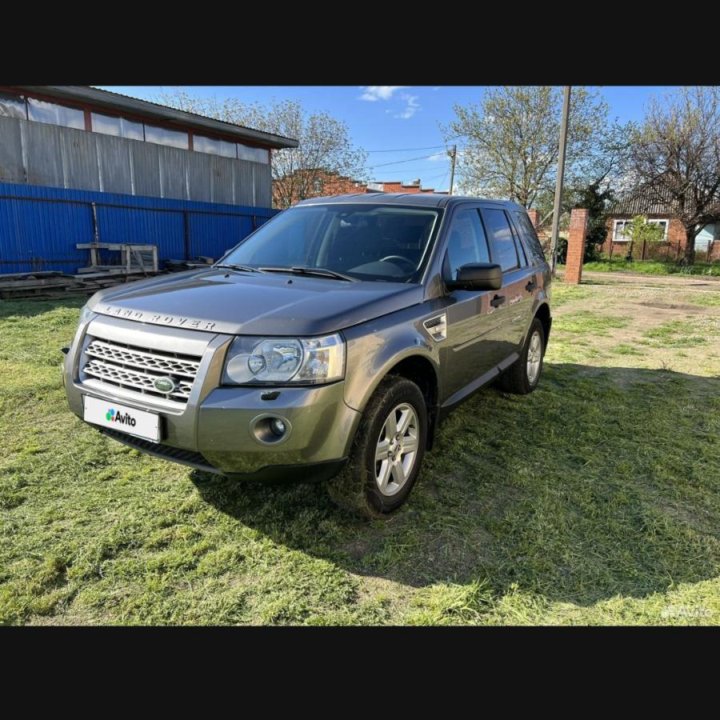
(670,322)
(641,279)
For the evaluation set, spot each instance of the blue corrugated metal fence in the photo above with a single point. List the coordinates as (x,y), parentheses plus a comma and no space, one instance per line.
(40,226)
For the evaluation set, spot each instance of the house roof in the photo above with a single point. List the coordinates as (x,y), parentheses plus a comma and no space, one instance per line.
(643,201)
(119,103)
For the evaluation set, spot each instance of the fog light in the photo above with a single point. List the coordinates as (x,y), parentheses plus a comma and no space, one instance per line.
(270,429)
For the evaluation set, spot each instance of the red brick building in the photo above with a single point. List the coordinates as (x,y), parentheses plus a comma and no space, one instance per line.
(397,186)
(323,184)
(707,242)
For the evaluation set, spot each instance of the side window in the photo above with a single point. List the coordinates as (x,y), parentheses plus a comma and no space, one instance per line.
(528,234)
(466,242)
(501,238)
(519,246)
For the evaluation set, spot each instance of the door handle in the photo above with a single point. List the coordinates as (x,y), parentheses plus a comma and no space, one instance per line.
(497,301)
(532,284)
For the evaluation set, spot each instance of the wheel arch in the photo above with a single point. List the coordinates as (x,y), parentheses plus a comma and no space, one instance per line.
(422,372)
(414,362)
(543,315)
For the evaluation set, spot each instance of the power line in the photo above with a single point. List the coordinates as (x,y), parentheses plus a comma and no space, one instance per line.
(400,162)
(429,147)
(431,179)
(435,176)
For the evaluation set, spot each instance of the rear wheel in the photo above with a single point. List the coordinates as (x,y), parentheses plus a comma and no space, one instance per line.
(387,451)
(523,375)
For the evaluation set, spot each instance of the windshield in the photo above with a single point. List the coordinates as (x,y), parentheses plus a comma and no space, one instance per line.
(366,242)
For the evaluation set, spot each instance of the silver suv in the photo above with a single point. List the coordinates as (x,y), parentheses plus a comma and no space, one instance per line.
(330,343)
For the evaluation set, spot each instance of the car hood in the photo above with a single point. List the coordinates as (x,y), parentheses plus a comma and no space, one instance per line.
(254,304)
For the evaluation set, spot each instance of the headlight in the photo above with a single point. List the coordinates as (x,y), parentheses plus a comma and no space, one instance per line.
(305,361)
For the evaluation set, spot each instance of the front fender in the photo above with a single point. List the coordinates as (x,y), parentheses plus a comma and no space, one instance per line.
(374,348)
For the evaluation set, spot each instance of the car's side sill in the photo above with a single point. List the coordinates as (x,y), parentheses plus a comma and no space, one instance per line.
(476,384)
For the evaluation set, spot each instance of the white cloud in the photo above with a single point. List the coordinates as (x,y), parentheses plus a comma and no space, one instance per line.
(373,93)
(411,106)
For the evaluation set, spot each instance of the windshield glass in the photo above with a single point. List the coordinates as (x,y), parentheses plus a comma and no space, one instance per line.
(367,242)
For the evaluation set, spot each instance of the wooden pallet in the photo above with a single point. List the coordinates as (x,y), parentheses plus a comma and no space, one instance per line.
(52,285)
(134,257)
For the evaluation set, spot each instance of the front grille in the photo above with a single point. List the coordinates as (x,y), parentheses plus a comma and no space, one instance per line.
(137,369)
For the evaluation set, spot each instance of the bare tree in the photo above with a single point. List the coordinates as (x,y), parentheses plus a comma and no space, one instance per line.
(511,142)
(324,142)
(675,156)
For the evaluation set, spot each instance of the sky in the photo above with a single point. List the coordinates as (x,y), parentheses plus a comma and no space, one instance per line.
(400,127)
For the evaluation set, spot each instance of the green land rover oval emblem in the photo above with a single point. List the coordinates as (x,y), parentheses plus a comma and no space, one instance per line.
(164,384)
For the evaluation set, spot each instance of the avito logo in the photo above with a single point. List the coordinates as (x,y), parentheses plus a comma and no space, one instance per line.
(123,418)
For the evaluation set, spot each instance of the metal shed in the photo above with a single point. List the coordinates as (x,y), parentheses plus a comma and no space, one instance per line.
(78,163)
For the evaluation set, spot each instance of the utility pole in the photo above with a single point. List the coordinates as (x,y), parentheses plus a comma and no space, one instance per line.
(559,180)
(453,155)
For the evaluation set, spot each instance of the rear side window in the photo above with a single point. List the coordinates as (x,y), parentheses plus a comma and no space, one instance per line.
(501,239)
(519,246)
(529,237)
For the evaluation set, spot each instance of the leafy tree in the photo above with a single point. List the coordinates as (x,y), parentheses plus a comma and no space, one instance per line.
(511,143)
(640,231)
(675,156)
(324,142)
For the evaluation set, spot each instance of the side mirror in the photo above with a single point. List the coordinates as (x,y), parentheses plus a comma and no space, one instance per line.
(477,276)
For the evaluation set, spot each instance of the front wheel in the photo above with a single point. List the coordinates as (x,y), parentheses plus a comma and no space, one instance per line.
(523,375)
(387,451)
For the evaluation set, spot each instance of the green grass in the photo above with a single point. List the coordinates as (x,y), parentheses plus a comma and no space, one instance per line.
(681,334)
(625,349)
(704,299)
(653,267)
(594,500)
(586,322)
(563,294)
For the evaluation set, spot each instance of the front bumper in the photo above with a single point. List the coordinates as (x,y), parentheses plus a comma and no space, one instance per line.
(214,430)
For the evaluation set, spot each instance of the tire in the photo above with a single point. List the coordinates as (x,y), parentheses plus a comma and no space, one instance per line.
(519,378)
(370,487)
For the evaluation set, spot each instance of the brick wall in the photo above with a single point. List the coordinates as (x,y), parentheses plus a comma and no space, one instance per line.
(333,184)
(576,245)
(327,184)
(534,216)
(394,186)
(672,249)
(543,232)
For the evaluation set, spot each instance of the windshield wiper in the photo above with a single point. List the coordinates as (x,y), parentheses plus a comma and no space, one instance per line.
(234,266)
(319,272)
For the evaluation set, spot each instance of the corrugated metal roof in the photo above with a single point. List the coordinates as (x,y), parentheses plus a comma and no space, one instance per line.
(119,102)
(644,201)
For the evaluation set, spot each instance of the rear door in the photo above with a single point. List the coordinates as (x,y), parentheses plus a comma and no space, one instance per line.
(510,306)
(471,348)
